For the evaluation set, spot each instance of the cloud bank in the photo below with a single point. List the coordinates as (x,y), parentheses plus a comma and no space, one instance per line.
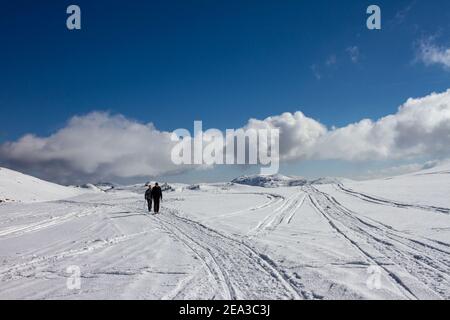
(421,127)
(431,54)
(94,146)
(100,146)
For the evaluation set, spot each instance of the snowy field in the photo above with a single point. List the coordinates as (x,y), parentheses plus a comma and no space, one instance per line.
(379,239)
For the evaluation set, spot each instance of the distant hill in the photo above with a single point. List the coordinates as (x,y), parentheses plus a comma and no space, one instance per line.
(270,181)
(18,187)
(279,180)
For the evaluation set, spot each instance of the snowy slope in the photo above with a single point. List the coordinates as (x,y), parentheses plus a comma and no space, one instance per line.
(15,186)
(429,187)
(235,241)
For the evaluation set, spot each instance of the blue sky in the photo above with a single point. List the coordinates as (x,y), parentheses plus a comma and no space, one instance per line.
(222,62)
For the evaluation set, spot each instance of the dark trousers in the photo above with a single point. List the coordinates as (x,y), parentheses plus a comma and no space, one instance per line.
(149,202)
(156,207)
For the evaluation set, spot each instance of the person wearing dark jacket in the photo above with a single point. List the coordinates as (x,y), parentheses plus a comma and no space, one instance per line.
(156,196)
(148,197)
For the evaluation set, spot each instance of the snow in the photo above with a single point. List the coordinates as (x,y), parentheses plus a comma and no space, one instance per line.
(91,187)
(331,240)
(278,180)
(430,187)
(15,186)
(105,186)
(270,181)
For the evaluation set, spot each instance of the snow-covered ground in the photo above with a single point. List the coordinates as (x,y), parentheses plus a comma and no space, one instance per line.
(379,239)
(18,187)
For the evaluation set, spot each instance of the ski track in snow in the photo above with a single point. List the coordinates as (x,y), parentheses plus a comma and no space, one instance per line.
(235,269)
(45,223)
(284,213)
(427,262)
(34,262)
(231,267)
(392,203)
(274,199)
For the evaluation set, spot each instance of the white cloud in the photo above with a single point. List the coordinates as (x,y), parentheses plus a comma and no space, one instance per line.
(431,54)
(298,134)
(402,14)
(420,127)
(316,72)
(101,146)
(354,53)
(96,145)
(331,60)
(323,69)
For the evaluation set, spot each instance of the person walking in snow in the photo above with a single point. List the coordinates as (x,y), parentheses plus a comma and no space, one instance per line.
(148,197)
(156,196)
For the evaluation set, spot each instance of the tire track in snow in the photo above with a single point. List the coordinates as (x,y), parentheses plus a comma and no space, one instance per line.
(239,270)
(10,271)
(426,264)
(215,273)
(46,223)
(274,199)
(292,214)
(371,259)
(392,203)
(284,213)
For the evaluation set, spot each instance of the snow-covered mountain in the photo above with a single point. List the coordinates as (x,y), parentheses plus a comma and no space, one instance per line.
(18,187)
(90,187)
(270,181)
(279,180)
(167,187)
(328,180)
(105,186)
(141,187)
(193,187)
